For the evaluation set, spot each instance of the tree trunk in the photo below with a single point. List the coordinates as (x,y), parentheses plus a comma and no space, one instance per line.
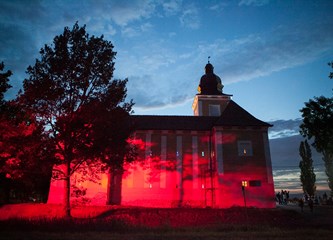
(67,191)
(114,187)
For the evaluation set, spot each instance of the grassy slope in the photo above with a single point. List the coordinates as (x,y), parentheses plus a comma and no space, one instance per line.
(43,221)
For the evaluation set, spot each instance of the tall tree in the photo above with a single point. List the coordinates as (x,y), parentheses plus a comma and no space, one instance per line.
(318,124)
(71,91)
(24,153)
(307,177)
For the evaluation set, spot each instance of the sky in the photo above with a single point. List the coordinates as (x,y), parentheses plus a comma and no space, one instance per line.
(271,55)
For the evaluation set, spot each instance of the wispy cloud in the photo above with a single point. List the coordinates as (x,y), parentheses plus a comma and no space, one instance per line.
(288,178)
(190,17)
(249,57)
(259,55)
(172,7)
(257,3)
(124,12)
(284,128)
(218,7)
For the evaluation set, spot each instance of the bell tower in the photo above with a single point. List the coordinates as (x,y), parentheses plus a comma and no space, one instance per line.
(210,100)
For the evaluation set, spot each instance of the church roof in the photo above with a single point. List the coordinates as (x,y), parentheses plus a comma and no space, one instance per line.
(233,115)
(153,122)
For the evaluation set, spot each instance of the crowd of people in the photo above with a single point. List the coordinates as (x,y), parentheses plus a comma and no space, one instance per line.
(283,198)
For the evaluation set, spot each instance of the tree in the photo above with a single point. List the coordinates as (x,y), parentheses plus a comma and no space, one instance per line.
(331,73)
(307,177)
(71,91)
(4,84)
(24,153)
(318,124)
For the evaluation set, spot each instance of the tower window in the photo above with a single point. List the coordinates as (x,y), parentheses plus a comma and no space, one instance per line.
(245,148)
(214,110)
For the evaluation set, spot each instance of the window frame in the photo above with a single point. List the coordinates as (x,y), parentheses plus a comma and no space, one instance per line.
(245,148)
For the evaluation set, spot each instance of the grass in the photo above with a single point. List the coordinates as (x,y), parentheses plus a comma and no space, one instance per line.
(42,221)
(172,234)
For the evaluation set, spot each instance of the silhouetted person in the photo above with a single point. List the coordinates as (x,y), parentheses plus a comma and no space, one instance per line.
(278,196)
(325,196)
(210,84)
(310,204)
(301,203)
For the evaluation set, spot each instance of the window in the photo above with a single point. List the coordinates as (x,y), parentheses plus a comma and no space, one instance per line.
(255,183)
(245,148)
(214,110)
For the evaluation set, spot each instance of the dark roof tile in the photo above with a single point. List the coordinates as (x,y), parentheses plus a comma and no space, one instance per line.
(152,122)
(235,115)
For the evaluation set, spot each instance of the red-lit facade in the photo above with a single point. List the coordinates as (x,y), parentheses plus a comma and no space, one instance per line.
(193,161)
(201,161)
(211,159)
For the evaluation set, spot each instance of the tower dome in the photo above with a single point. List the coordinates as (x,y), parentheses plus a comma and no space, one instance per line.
(210,83)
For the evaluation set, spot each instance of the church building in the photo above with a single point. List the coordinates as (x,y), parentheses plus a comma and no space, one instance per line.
(217,158)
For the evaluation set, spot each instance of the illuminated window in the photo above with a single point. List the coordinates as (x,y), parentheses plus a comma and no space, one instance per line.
(214,110)
(245,148)
(202,154)
(244,183)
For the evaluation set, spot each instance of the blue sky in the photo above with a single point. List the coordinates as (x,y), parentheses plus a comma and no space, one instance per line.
(271,55)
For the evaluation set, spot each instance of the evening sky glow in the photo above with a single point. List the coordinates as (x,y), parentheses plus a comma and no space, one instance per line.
(271,55)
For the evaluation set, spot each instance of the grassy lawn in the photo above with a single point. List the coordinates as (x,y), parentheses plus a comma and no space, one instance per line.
(42,221)
(175,235)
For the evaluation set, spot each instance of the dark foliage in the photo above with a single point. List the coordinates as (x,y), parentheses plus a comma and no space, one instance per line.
(307,177)
(4,84)
(25,156)
(318,125)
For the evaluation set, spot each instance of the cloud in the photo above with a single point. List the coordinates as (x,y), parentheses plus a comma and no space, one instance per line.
(284,148)
(158,62)
(288,177)
(172,7)
(134,31)
(258,55)
(256,3)
(126,11)
(18,31)
(285,151)
(284,128)
(250,57)
(218,7)
(29,11)
(96,27)
(190,17)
